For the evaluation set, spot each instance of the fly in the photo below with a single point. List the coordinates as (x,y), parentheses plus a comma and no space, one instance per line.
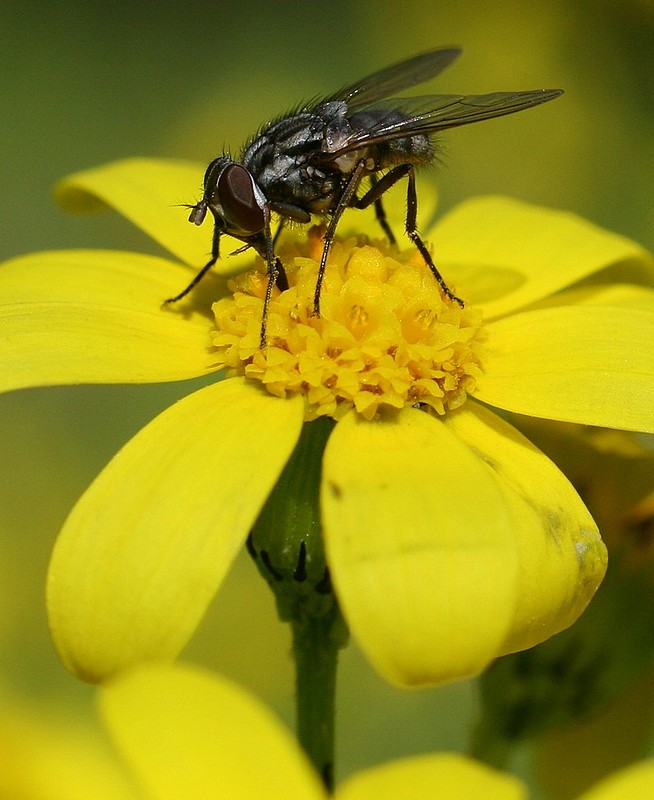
(344,151)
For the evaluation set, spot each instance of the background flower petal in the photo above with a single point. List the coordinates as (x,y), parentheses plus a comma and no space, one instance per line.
(632,783)
(512,254)
(445,775)
(52,753)
(147,546)
(592,365)
(191,734)
(152,194)
(420,546)
(562,558)
(94,316)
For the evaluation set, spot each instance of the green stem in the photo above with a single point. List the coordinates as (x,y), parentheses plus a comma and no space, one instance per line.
(316,657)
(287,547)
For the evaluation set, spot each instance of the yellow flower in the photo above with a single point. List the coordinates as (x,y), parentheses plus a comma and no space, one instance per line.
(450,538)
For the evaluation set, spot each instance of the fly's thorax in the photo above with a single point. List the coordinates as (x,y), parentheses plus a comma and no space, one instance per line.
(288,138)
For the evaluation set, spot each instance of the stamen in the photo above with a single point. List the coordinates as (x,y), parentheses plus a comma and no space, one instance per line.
(386,337)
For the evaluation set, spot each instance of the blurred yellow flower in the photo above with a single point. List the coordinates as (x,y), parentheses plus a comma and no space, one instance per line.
(187,733)
(181,733)
(450,539)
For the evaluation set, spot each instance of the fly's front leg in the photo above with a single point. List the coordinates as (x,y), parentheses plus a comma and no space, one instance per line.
(412,233)
(344,201)
(286,211)
(215,255)
(276,275)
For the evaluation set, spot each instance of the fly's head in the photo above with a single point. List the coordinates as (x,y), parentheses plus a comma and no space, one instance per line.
(233,197)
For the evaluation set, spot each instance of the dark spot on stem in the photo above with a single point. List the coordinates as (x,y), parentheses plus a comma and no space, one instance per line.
(300,573)
(324,585)
(266,562)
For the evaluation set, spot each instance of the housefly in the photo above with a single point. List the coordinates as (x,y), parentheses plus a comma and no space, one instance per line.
(343,151)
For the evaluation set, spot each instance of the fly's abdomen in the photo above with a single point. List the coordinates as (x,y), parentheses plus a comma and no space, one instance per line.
(391,149)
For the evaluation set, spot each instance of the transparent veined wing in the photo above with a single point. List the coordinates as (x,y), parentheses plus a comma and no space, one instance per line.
(398,117)
(396,78)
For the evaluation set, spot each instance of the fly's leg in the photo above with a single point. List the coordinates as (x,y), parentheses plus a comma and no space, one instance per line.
(380,214)
(215,255)
(344,201)
(282,279)
(410,225)
(412,233)
(276,275)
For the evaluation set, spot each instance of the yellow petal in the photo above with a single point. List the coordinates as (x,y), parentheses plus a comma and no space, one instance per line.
(624,295)
(633,783)
(448,776)
(192,735)
(592,365)
(90,316)
(420,546)
(562,558)
(147,546)
(151,193)
(503,254)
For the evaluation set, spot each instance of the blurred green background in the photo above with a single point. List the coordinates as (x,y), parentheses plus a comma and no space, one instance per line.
(88,83)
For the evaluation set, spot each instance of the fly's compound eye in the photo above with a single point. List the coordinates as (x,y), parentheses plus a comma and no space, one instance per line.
(239,203)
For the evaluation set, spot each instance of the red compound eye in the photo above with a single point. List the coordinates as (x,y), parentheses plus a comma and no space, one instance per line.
(238,200)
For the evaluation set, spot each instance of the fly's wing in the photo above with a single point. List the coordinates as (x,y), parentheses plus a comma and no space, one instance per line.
(397,117)
(395,78)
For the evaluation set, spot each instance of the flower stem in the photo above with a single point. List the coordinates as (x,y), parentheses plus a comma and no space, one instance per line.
(286,544)
(316,655)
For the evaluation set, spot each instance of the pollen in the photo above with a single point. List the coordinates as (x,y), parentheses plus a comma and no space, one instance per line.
(385,338)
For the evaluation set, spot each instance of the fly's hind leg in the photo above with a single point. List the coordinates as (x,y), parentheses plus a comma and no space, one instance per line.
(412,233)
(373,195)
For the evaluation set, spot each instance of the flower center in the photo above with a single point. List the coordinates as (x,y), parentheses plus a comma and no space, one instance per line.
(385,337)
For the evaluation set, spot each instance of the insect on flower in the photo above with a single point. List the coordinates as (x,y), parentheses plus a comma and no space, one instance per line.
(314,160)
